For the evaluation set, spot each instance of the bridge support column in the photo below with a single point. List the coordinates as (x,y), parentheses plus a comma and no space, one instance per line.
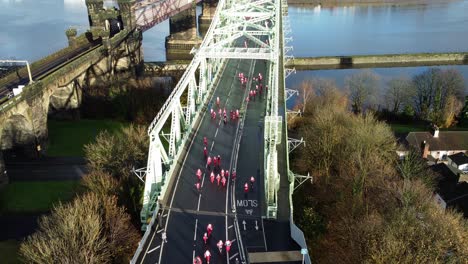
(183,37)
(208,11)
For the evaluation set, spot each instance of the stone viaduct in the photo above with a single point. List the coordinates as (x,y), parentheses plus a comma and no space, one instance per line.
(23,119)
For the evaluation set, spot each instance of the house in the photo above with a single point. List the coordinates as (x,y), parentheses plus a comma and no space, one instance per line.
(458,161)
(451,191)
(436,144)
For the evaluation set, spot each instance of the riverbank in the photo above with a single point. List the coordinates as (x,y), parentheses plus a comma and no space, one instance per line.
(383,61)
(326,3)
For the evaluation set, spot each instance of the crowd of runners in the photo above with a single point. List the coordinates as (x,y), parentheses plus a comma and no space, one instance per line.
(214,169)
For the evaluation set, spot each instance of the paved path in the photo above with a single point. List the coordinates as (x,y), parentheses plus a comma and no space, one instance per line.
(46,169)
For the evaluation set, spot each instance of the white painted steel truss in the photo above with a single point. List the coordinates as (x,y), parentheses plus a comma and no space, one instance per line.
(294,143)
(300,179)
(255,22)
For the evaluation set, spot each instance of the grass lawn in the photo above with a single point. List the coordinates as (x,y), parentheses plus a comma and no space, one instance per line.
(406,128)
(35,196)
(67,138)
(9,251)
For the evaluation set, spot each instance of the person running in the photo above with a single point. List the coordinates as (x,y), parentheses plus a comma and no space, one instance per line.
(252,181)
(205,152)
(205,140)
(237,113)
(222,173)
(213,115)
(228,245)
(197,260)
(227,174)
(220,246)
(217,101)
(208,162)
(199,174)
(220,113)
(197,185)
(246,188)
(223,181)
(218,178)
(212,177)
(207,256)
(205,238)
(225,119)
(215,161)
(219,161)
(209,229)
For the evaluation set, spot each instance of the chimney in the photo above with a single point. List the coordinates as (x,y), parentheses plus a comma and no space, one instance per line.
(425,149)
(435,132)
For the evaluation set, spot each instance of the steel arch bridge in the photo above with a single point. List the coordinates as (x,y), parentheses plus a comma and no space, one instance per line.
(261,22)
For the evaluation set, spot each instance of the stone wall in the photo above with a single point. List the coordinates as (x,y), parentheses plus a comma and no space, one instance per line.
(385,60)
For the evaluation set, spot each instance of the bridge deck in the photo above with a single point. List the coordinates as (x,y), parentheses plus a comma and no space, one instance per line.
(187,213)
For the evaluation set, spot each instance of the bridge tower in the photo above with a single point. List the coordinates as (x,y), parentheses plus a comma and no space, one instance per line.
(208,11)
(127,13)
(95,8)
(183,35)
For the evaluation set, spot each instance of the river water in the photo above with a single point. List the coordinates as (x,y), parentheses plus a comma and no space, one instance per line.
(31,29)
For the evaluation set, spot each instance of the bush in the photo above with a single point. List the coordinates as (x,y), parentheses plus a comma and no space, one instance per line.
(91,229)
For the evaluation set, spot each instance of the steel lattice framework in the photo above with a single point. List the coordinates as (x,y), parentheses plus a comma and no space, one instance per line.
(151,12)
(234,21)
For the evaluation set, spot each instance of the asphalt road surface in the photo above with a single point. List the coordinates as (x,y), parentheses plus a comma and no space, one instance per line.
(185,218)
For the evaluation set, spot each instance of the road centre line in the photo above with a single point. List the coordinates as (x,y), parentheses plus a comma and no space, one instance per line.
(195,233)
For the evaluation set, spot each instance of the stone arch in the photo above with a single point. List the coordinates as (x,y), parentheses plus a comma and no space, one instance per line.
(17,134)
(65,100)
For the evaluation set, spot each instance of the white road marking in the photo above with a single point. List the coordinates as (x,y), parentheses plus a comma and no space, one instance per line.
(159,231)
(153,249)
(231,226)
(78,171)
(216,132)
(233,256)
(195,235)
(264,238)
(212,144)
(165,215)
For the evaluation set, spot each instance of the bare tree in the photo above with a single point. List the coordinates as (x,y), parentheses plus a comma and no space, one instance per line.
(397,93)
(363,87)
(72,233)
(91,229)
(118,154)
(436,93)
